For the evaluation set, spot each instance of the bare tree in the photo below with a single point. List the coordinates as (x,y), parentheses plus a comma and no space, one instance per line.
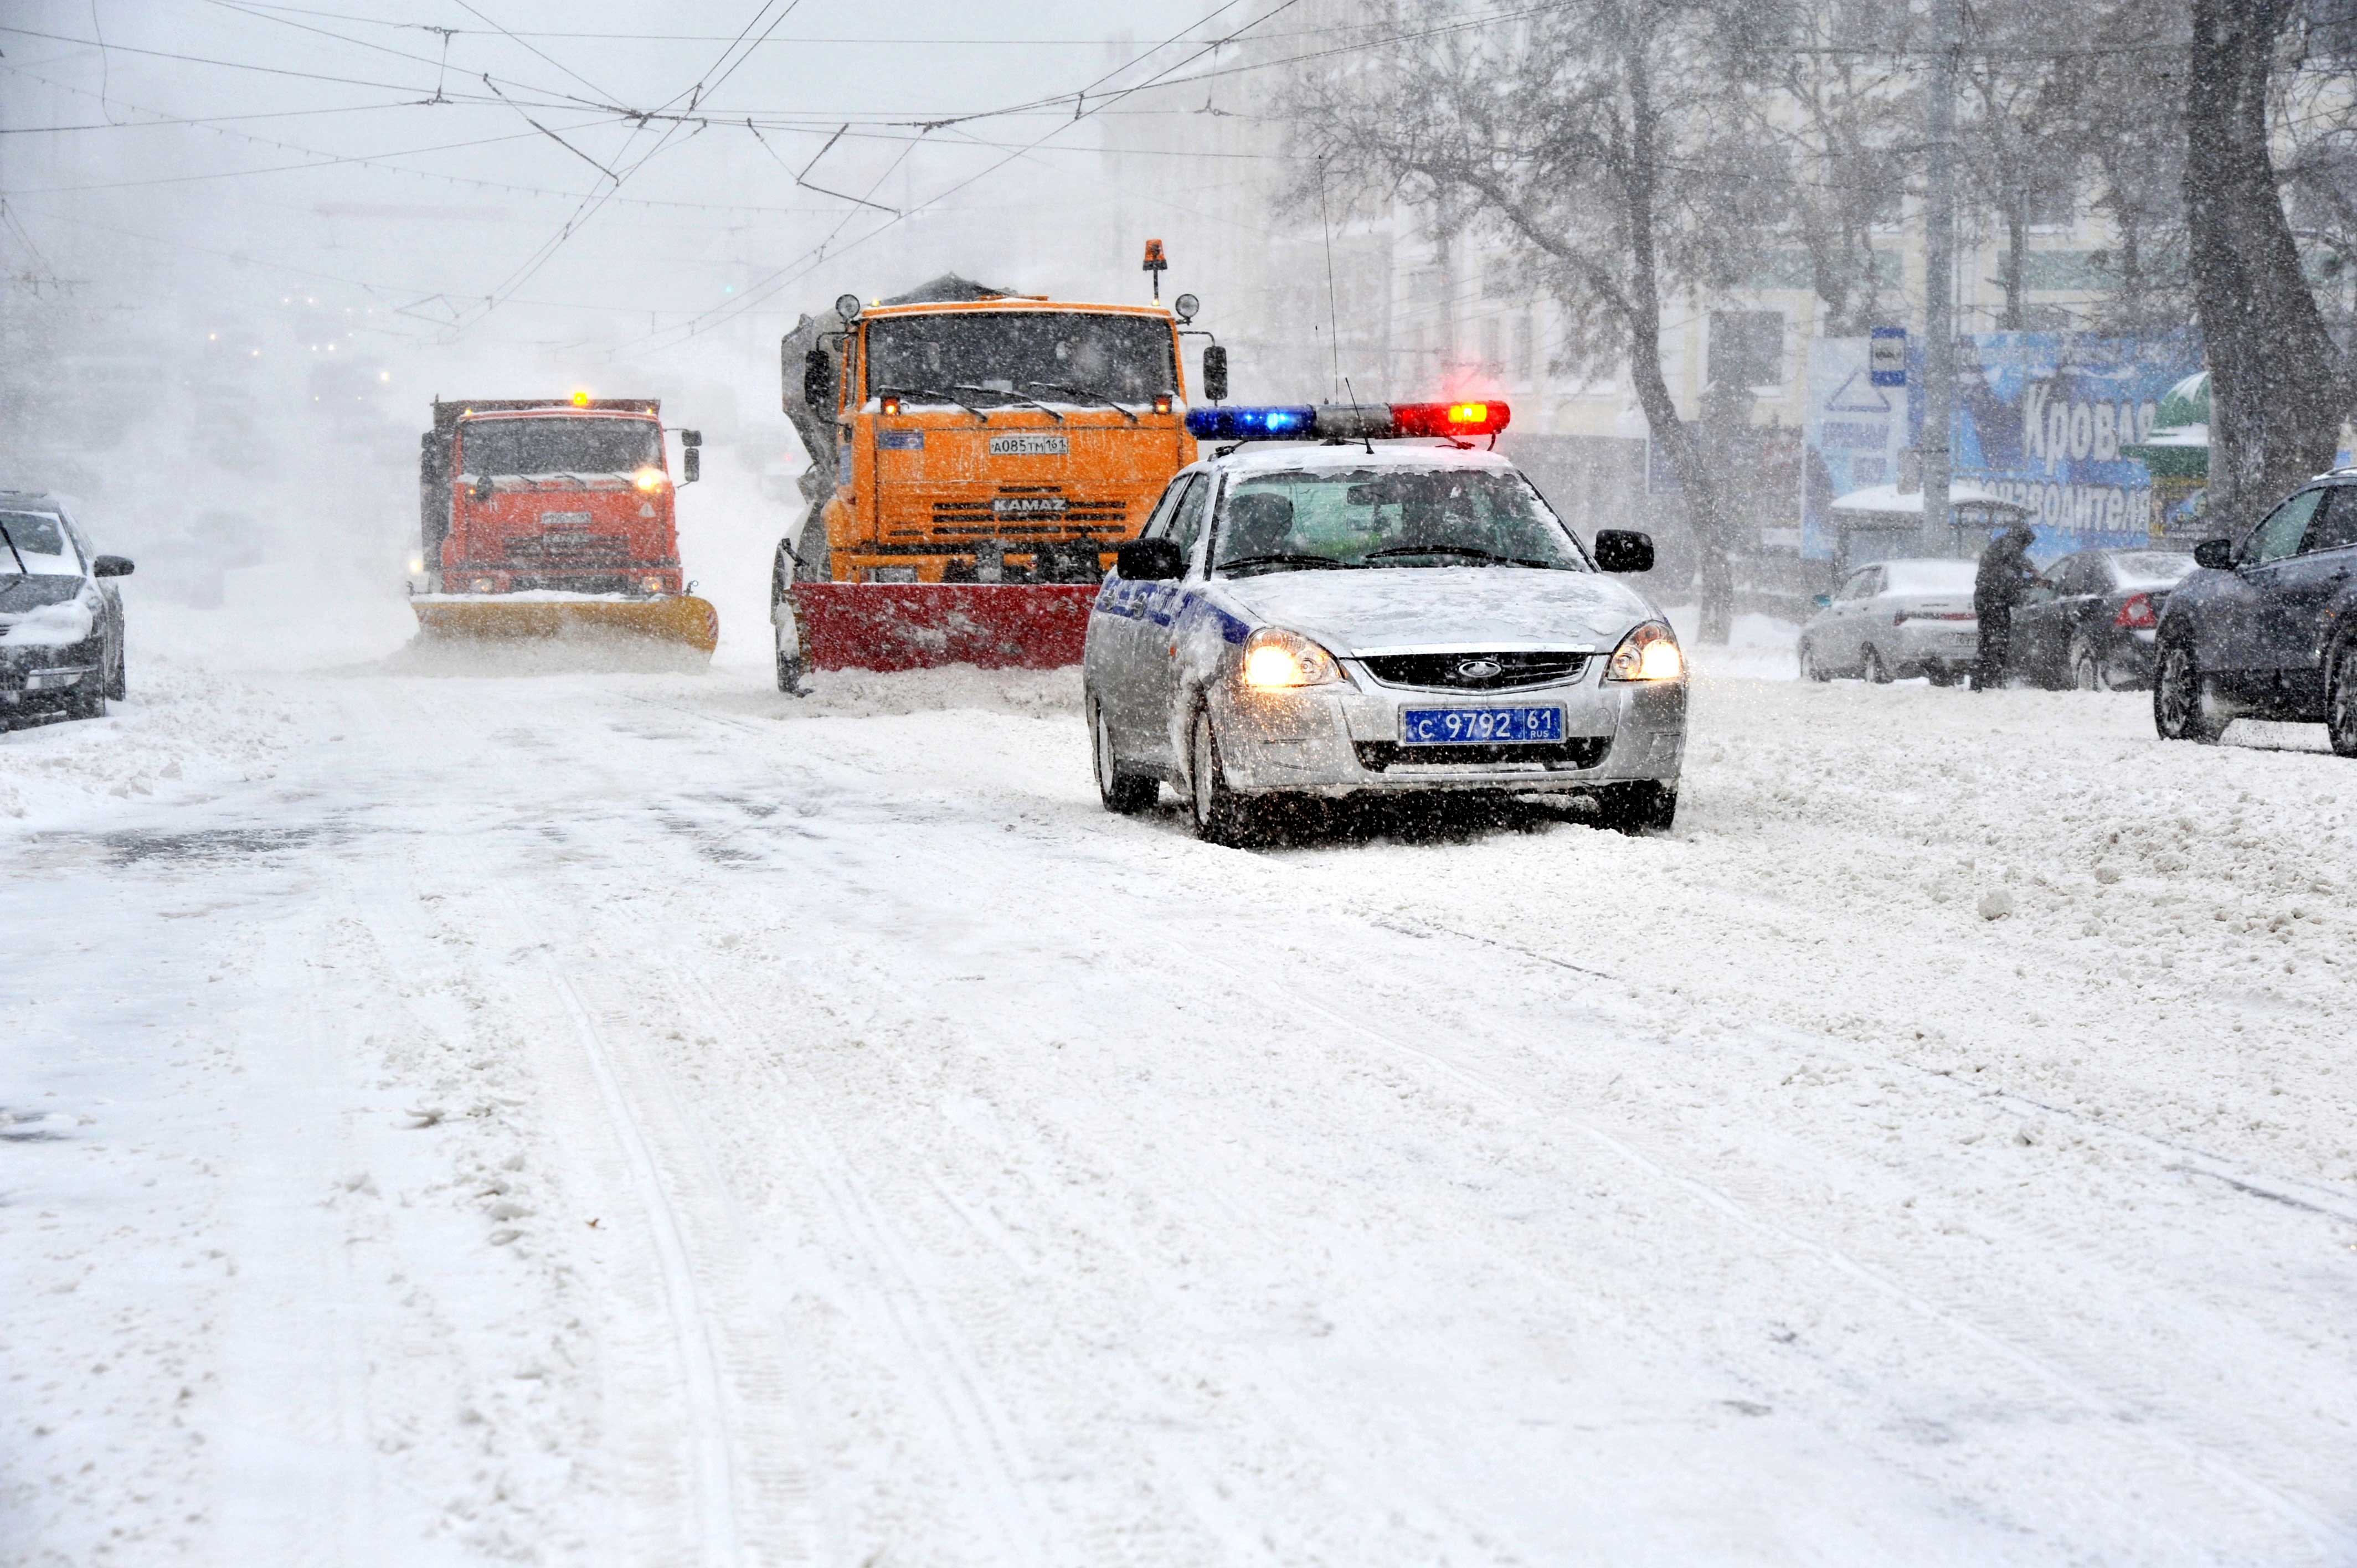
(1852,119)
(1609,142)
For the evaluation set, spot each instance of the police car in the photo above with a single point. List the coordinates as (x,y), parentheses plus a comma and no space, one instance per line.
(1354,600)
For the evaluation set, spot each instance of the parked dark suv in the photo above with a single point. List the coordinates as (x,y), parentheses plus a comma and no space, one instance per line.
(2268,628)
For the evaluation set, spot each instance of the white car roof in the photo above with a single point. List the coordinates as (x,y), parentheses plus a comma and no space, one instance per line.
(1263,456)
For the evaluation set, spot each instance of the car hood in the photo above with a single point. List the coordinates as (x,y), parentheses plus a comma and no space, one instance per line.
(19,594)
(43,610)
(1491,607)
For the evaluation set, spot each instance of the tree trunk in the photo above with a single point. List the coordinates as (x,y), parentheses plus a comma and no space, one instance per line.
(2016,268)
(1714,578)
(2276,391)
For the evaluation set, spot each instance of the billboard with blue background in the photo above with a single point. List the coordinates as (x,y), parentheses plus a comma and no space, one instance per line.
(2040,419)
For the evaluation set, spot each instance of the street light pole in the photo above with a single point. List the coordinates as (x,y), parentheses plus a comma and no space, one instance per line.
(1939,275)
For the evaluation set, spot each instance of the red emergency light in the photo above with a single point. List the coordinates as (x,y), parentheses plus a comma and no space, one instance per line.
(1472,417)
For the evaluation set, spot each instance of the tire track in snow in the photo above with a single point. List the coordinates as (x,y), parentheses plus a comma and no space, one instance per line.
(713,1464)
(1951,1319)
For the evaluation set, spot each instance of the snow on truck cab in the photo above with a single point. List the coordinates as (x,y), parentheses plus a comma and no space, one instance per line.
(554,519)
(975,458)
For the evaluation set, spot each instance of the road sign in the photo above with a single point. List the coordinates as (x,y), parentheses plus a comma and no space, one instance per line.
(1887,356)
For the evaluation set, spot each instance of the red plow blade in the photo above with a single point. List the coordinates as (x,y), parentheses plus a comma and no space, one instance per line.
(921,626)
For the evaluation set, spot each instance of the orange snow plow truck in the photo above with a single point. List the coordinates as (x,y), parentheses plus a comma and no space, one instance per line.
(553,519)
(975,456)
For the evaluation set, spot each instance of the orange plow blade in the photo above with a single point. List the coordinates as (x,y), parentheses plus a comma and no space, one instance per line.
(922,625)
(681,622)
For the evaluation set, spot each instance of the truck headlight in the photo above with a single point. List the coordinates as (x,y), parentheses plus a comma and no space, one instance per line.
(1650,653)
(1275,658)
(481,584)
(652,584)
(649,479)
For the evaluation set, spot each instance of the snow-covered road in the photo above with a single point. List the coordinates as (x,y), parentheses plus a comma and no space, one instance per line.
(635,1119)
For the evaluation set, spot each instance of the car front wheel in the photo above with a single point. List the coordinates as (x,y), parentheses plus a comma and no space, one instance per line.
(2341,703)
(1222,816)
(2178,711)
(1876,670)
(1812,666)
(1646,808)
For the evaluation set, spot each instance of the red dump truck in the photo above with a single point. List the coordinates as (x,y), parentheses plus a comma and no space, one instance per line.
(554,519)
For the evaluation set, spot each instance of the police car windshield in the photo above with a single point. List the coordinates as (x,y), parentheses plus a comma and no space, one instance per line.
(1389,518)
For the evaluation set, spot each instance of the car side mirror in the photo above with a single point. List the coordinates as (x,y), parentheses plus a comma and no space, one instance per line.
(2216,555)
(1821,600)
(818,380)
(110,566)
(1215,374)
(1623,550)
(482,491)
(1151,561)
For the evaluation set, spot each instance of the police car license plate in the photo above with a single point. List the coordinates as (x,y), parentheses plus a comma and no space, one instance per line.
(1479,726)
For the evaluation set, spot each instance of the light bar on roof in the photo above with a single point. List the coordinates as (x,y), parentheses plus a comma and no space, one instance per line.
(1350,421)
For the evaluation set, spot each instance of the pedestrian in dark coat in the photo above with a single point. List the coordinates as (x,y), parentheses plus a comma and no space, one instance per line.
(2005,577)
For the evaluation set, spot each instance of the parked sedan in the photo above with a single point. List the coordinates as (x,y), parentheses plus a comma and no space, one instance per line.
(60,619)
(2093,625)
(1896,618)
(1373,619)
(2268,629)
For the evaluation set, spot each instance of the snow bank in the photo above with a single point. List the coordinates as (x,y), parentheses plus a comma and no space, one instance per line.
(181,735)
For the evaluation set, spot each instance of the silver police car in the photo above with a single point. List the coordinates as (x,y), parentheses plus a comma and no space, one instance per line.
(1364,619)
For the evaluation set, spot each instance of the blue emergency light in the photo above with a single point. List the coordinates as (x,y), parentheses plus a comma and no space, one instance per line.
(1251,424)
(1348,422)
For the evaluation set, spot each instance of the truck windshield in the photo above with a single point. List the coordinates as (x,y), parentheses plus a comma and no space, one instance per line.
(559,444)
(1021,353)
(1328,517)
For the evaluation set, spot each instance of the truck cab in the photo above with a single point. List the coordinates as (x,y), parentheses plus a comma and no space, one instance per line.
(997,439)
(549,497)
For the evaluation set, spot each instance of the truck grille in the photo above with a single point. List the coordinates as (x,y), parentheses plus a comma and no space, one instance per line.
(1008,516)
(1552,757)
(571,547)
(1447,671)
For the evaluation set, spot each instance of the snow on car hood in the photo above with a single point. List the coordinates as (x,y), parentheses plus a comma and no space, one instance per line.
(44,609)
(1447,608)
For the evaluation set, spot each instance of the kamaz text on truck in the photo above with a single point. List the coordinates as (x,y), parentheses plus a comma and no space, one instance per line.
(553,519)
(976,457)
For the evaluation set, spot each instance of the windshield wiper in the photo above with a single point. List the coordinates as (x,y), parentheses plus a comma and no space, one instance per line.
(1085,396)
(1019,397)
(944,396)
(22,570)
(1466,551)
(1281,558)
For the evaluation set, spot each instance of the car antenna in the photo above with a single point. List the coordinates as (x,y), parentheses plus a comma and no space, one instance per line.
(1334,325)
(1354,408)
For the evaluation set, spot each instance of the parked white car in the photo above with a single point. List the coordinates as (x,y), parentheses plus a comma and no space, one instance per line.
(1894,619)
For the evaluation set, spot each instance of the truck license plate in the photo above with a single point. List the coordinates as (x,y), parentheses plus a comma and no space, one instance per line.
(1028,445)
(1459,726)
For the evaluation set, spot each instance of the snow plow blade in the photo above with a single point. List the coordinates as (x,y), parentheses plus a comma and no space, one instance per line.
(922,625)
(681,622)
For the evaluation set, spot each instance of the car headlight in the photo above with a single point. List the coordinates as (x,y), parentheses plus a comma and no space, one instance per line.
(1648,653)
(1275,658)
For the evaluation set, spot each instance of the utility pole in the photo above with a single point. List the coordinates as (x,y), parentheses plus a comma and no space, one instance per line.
(1939,275)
